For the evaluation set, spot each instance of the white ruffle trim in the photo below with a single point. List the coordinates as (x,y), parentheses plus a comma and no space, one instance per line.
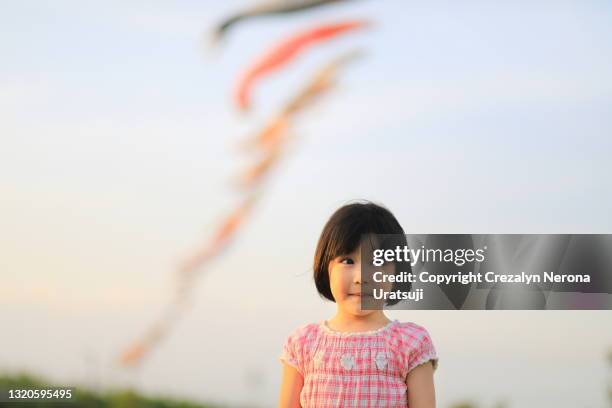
(328,329)
(425,359)
(291,361)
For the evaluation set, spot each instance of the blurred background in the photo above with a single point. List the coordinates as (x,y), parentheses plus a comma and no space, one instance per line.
(120,149)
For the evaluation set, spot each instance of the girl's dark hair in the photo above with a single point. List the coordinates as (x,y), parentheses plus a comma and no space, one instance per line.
(342,235)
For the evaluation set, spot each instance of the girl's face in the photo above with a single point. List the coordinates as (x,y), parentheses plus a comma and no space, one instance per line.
(345,282)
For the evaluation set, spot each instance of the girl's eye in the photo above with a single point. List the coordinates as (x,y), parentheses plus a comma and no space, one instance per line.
(347,261)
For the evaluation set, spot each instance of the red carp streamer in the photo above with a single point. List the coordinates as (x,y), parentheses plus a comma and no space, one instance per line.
(231,223)
(275,132)
(287,50)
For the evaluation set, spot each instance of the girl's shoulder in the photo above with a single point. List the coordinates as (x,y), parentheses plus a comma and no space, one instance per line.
(410,332)
(305,331)
(414,344)
(410,327)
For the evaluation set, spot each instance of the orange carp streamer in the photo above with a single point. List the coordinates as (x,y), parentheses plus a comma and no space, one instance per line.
(255,173)
(133,354)
(221,237)
(271,134)
(286,51)
(136,352)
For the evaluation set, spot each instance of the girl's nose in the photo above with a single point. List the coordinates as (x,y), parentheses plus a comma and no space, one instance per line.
(357,278)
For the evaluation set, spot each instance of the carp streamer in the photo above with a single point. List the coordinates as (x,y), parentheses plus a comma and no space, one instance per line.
(285,51)
(269,8)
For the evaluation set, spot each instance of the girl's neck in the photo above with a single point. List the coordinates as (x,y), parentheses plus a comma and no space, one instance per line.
(348,323)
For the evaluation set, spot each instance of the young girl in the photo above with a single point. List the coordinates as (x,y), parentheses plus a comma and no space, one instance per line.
(358,358)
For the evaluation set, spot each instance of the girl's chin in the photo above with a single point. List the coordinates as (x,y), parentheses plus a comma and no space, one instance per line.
(357,311)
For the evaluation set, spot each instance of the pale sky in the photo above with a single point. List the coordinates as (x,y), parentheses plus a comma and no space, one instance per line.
(119,147)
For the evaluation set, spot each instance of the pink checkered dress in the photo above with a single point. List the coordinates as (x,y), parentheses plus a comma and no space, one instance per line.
(362,369)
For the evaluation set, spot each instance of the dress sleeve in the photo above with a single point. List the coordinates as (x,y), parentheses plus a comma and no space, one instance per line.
(421,351)
(290,352)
